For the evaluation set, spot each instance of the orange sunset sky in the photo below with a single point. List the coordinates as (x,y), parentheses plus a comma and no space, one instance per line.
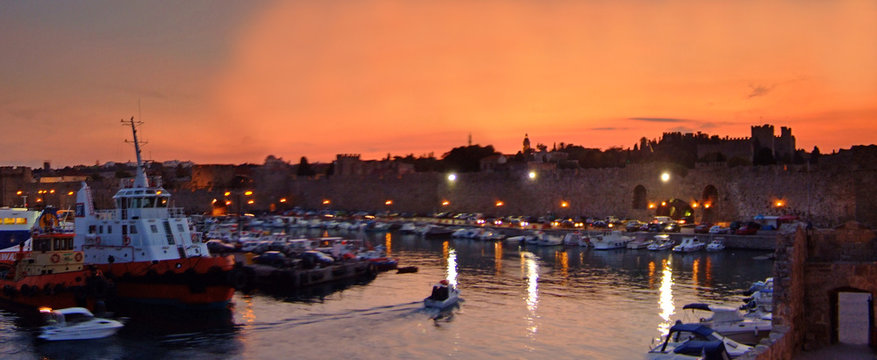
(234,81)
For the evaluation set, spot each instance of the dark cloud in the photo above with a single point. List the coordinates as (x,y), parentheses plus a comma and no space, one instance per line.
(759,90)
(661,120)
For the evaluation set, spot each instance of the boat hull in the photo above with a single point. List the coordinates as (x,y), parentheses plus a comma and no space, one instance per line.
(207,282)
(79,288)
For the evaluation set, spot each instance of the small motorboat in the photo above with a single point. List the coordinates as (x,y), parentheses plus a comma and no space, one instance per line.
(76,323)
(661,242)
(748,329)
(718,244)
(443,295)
(695,341)
(689,244)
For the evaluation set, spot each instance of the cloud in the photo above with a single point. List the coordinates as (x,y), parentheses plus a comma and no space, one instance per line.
(714,124)
(660,120)
(759,90)
(608,129)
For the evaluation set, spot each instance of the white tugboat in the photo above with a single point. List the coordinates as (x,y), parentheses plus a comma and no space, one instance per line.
(148,248)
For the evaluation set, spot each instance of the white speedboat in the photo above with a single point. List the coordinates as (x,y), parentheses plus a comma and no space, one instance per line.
(443,295)
(693,341)
(718,244)
(408,228)
(747,329)
(545,239)
(661,242)
(689,244)
(76,323)
(610,240)
(638,243)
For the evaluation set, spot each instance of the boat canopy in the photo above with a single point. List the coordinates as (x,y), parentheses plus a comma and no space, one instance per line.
(693,328)
(698,306)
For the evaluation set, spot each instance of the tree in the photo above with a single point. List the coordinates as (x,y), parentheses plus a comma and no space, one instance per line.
(467,158)
(304,168)
(815,155)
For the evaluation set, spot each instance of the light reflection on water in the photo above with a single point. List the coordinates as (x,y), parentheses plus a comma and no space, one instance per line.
(561,303)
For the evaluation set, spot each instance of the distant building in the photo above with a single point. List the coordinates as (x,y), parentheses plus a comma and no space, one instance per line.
(781,148)
(352,165)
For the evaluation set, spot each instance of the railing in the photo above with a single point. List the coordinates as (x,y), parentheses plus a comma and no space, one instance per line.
(175,212)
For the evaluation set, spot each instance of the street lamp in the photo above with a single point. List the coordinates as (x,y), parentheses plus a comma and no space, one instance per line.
(665,176)
(532,175)
(452,177)
(564,204)
(445,203)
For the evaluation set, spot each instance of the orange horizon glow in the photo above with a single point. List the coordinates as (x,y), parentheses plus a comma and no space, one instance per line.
(378,77)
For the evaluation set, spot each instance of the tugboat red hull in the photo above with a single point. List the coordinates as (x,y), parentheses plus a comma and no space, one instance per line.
(207,282)
(79,288)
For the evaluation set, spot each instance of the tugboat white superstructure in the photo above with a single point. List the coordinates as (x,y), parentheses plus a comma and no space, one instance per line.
(148,247)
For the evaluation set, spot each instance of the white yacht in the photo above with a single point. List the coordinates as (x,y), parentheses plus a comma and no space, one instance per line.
(76,323)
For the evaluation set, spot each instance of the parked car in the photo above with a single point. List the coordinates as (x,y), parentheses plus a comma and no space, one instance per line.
(748,229)
(312,258)
(717,229)
(633,225)
(671,227)
(273,258)
(703,228)
(219,247)
(655,227)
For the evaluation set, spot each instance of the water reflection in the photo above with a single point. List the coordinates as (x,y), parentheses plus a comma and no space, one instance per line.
(530,270)
(388,242)
(694,271)
(452,266)
(497,257)
(563,259)
(665,300)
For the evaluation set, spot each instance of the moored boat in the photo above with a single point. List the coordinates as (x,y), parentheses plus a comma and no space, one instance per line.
(717,244)
(695,341)
(689,244)
(50,274)
(610,240)
(744,328)
(661,242)
(148,247)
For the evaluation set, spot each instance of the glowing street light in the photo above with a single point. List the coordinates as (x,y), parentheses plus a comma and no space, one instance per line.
(70,193)
(227,193)
(706,206)
(248,192)
(452,177)
(499,203)
(665,177)
(446,203)
(251,202)
(651,205)
(388,202)
(282,200)
(326,202)
(564,204)
(694,205)
(779,203)
(532,175)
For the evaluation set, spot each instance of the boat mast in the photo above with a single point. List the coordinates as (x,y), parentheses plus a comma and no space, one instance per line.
(140,179)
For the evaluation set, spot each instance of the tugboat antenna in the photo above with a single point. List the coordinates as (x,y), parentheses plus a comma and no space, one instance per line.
(140,178)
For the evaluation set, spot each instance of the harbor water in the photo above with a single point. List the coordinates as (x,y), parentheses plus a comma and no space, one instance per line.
(520,302)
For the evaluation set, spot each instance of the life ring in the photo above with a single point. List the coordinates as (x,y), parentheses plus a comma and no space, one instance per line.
(55,258)
(195,238)
(127,240)
(77,257)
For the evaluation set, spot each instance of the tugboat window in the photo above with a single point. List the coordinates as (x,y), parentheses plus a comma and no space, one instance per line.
(133,228)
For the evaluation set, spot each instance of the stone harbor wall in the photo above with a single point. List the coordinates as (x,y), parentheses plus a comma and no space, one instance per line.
(812,267)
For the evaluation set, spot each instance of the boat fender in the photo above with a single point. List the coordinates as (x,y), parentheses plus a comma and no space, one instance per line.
(55,258)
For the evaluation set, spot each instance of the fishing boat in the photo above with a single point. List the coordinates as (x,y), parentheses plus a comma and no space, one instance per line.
(661,242)
(747,329)
(717,244)
(76,323)
(610,240)
(149,248)
(444,294)
(49,272)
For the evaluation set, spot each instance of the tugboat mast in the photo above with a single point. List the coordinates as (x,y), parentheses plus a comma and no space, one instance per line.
(140,179)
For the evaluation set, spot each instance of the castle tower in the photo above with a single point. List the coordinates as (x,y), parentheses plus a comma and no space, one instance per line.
(526,144)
